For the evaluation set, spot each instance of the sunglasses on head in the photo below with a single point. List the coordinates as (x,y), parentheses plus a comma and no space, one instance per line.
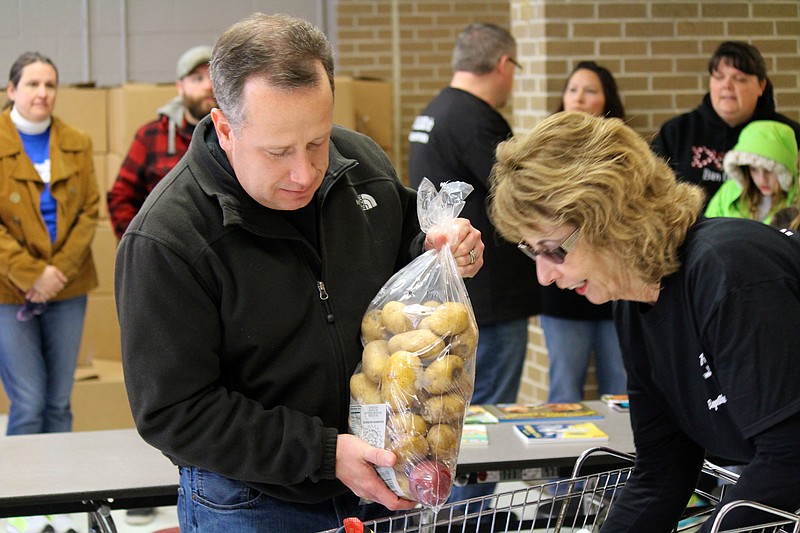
(555,255)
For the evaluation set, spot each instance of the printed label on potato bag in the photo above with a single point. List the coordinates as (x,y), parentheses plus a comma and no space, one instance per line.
(369,423)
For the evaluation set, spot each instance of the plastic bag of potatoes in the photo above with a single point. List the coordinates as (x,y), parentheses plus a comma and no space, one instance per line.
(412,389)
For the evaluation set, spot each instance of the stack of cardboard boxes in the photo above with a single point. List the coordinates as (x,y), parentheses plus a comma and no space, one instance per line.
(111,117)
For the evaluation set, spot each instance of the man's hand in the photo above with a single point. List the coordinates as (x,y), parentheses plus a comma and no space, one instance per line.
(354,467)
(465,243)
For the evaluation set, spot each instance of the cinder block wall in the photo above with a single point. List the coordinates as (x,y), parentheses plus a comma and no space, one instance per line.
(657,49)
(427,32)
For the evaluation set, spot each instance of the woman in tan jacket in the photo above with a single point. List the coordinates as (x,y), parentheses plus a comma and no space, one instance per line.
(48,214)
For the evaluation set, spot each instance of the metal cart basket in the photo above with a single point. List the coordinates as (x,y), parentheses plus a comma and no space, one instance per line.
(578,504)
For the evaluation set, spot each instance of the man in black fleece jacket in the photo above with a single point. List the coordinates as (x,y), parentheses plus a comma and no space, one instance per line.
(241,285)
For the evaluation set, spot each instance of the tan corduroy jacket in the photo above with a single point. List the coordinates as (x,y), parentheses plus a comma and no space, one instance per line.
(25,247)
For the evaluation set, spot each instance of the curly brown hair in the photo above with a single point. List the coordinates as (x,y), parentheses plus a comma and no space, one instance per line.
(599,175)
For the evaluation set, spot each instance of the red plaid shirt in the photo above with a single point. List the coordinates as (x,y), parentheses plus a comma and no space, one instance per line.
(147,162)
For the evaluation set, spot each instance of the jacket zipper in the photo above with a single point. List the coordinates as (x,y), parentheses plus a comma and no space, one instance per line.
(323,296)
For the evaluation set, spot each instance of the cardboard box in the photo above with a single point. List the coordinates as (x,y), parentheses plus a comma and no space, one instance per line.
(104,252)
(365,105)
(99,400)
(85,108)
(101,175)
(113,164)
(101,338)
(132,105)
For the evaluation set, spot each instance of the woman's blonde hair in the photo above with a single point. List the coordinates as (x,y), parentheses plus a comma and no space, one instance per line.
(600,176)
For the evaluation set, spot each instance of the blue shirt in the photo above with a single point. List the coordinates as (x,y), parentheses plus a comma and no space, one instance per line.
(37,147)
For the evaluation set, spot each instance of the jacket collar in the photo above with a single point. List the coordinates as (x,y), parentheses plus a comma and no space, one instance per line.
(765,109)
(237,206)
(66,139)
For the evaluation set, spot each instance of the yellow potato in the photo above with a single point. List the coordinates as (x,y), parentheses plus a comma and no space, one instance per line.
(445,409)
(421,342)
(363,390)
(372,326)
(410,448)
(402,479)
(394,319)
(401,379)
(450,318)
(465,344)
(443,441)
(443,373)
(407,422)
(465,384)
(374,359)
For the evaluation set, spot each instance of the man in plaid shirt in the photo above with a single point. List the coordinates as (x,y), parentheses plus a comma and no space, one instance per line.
(160,144)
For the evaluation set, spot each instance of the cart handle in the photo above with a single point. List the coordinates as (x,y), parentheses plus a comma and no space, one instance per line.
(596,450)
(782,515)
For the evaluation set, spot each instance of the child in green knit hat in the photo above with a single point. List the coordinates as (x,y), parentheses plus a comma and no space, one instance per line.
(762,173)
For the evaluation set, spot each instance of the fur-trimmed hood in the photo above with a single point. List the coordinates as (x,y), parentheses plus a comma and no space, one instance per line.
(765,144)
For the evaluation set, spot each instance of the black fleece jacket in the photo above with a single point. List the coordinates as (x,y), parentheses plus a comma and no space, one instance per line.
(238,335)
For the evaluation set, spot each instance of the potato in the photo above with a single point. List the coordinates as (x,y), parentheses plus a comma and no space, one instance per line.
(394,319)
(363,390)
(373,360)
(443,373)
(464,385)
(465,343)
(407,422)
(401,378)
(402,479)
(421,342)
(372,326)
(445,409)
(450,318)
(410,448)
(443,440)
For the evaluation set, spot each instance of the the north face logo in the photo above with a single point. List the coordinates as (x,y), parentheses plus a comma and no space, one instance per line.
(366,201)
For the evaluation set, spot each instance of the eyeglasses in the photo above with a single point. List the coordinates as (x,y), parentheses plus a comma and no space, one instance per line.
(556,255)
(30,309)
(514,62)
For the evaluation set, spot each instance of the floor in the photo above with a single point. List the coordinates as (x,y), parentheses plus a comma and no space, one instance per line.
(166,517)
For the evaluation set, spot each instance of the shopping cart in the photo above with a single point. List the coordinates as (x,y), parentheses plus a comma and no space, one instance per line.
(578,504)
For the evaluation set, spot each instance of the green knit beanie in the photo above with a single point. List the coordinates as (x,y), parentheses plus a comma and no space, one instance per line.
(765,144)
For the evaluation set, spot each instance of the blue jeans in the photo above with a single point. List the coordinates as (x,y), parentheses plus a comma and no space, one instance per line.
(37,365)
(498,369)
(211,502)
(570,344)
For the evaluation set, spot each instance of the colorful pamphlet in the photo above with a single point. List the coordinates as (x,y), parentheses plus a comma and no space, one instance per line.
(477,414)
(618,402)
(567,433)
(474,435)
(544,412)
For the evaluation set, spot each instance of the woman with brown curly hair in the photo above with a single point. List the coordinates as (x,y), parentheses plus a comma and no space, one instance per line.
(703,308)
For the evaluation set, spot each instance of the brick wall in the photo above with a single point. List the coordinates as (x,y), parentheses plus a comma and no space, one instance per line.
(657,49)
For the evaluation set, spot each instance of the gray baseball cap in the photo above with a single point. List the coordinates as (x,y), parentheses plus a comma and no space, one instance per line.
(191,59)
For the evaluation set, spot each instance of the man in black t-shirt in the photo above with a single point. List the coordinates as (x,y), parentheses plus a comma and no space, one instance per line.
(454,139)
